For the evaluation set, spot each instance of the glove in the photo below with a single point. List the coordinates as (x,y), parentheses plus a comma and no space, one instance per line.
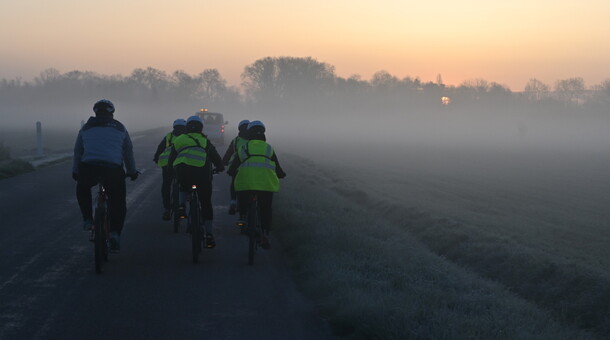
(133,176)
(280,174)
(75,176)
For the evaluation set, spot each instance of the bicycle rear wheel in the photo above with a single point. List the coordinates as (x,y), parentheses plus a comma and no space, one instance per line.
(175,206)
(99,240)
(253,227)
(194,222)
(105,235)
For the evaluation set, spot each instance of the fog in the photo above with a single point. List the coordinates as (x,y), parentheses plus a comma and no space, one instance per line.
(302,100)
(522,169)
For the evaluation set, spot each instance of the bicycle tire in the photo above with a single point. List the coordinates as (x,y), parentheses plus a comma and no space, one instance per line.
(105,235)
(98,239)
(175,206)
(252,227)
(194,226)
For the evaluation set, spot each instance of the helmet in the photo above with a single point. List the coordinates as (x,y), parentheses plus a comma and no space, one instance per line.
(257,124)
(195,119)
(194,124)
(103,107)
(179,122)
(243,126)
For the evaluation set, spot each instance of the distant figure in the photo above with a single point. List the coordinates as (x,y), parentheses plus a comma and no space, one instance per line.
(256,170)
(192,157)
(230,155)
(101,150)
(162,159)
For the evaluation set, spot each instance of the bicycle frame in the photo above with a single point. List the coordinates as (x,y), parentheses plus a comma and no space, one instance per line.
(253,228)
(197,228)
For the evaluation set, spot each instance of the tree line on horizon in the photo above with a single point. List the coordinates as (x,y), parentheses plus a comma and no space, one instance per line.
(282,82)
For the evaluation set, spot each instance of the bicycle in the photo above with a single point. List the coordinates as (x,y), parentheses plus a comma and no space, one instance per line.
(100,229)
(195,224)
(175,204)
(253,228)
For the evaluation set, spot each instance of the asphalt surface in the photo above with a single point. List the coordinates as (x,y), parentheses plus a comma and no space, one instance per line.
(151,289)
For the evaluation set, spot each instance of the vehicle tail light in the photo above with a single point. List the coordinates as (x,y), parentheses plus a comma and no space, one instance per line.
(222,128)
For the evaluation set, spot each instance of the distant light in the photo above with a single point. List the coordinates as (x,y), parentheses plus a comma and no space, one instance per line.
(203,110)
(445,100)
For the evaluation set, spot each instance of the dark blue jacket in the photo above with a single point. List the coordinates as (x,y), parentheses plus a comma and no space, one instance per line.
(104,141)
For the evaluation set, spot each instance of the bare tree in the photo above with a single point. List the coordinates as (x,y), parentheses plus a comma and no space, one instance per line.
(260,80)
(285,78)
(185,85)
(47,76)
(384,82)
(439,80)
(571,90)
(535,90)
(601,92)
(211,85)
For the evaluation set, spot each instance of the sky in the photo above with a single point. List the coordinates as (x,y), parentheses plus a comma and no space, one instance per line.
(508,42)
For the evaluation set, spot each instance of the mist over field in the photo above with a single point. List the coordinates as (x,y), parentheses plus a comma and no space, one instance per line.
(509,186)
(303,97)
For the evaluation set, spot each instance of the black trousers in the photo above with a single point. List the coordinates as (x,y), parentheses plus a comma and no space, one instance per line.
(166,187)
(265,202)
(114,182)
(189,175)
(232,190)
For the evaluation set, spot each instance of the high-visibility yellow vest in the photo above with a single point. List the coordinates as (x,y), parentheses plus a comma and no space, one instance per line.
(164,156)
(257,170)
(237,144)
(190,149)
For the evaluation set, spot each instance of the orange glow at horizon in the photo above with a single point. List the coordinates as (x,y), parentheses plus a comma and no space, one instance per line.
(507,43)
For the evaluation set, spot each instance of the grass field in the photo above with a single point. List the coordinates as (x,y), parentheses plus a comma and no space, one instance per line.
(429,242)
(476,240)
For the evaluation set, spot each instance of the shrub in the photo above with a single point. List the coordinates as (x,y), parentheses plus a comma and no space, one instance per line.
(5,152)
(12,167)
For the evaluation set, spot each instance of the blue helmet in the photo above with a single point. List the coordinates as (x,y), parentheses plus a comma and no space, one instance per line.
(103,107)
(179,122)
(243,126)
(194,124)
(194,119)
(257,124)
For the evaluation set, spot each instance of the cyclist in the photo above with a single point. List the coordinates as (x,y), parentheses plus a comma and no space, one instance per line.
(256,171)
(230,154)
(162,159)
(192,157)
(102,148)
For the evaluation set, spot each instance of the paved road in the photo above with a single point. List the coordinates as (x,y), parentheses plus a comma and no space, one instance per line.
(151,290)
